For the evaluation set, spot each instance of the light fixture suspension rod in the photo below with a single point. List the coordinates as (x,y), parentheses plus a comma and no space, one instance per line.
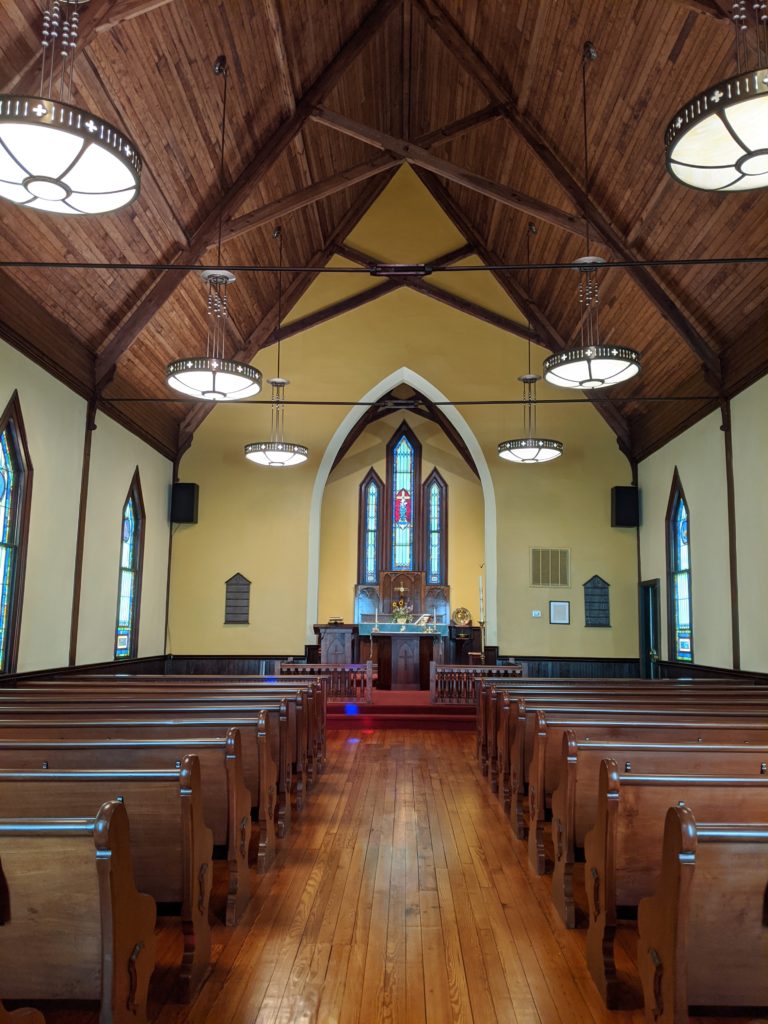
(278,234)
(589,53)
(220,68)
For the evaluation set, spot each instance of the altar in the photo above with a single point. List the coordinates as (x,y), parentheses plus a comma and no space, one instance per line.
(403,651)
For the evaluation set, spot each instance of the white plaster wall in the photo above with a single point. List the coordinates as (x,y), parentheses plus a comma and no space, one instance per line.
(115,454)
(54,418)
(749,423)
(699,455)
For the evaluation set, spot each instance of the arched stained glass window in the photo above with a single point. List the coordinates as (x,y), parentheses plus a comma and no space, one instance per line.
(129,587)
(403,475)
(435,528)
(679,576)
(369,556)
(15,488)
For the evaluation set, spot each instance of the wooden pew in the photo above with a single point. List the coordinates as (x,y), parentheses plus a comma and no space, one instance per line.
(300,747)
(171,847)
(314,685)
(683,721)
(700,943)
(278,728)
(24,1015)
(258,735)
(491,699)
(636,696)
(225,798)
(73,925)
(623,850)
(574,802)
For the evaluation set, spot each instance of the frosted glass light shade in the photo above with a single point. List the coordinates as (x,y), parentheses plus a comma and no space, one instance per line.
(276,454)
(718,142)
(590,368)
(215,380)
(60,159)
(531,450)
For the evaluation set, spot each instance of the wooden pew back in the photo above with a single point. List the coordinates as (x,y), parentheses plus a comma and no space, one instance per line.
(703,938)
(69,886)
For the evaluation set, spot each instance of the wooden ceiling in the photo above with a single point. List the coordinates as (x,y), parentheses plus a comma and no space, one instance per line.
(327,98)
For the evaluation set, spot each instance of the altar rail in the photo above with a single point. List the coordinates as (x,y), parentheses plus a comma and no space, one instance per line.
(344,682)
(458,684)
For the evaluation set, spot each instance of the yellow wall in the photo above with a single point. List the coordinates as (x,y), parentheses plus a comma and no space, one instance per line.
(749,422)
(257,521)
(339,536)
(54,419)
(115,454)
(699,456)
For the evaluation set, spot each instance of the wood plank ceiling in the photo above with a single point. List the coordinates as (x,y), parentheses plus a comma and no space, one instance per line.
(326,99)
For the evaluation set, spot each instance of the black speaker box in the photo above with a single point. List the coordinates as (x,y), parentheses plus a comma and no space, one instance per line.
(184,503)
(625,506)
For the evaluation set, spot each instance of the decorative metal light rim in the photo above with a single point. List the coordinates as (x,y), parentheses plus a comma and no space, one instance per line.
(714,101)
(45,114)
(207,364)
(258,451)
(626,359)
(537,444)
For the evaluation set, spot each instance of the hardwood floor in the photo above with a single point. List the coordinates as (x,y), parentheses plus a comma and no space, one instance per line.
(401,895)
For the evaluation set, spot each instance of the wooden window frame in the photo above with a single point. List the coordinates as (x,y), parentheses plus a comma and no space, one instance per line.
(677,495)
(435,477)
(371,477)
(134,491)
(418,560)
(13,420)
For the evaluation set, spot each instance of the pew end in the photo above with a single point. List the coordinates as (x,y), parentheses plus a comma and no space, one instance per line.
(24,1015)
(71,881)
(702,943)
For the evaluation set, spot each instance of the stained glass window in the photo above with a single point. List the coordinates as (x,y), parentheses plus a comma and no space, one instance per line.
(681,640)
(371,491)
(435,501)
(402,504)
(13,493)
(130,574)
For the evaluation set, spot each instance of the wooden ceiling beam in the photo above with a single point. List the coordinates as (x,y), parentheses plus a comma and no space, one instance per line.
(167,281)
(285,88)
(545,332)
(311,194)
(419,157)
(126,10)
(498,91)
(264,330)
(711,7)
(434,291)
(330,312)
(460,127)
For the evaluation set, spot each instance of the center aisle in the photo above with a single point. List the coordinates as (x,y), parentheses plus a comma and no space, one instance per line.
(401,895)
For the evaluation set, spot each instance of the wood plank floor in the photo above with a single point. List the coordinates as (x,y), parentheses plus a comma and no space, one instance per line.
(400,896)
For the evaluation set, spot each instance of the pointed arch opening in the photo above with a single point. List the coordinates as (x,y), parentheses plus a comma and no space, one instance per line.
(679,590)
(370,528)
(15,503)
(129,579)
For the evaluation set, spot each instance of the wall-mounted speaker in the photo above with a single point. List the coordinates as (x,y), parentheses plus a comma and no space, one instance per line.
(625,506)
(184,503)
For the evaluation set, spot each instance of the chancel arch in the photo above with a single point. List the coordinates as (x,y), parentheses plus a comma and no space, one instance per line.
(360,463)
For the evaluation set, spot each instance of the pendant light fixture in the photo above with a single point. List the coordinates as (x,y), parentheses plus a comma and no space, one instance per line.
(592,365)
(277,453)
(212,376)
(718,142)
(56,157)
(530,449)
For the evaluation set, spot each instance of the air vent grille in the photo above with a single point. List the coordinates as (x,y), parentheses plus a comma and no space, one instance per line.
(550,567)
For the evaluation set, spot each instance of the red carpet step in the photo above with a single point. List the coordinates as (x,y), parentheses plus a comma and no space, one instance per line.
(401,710)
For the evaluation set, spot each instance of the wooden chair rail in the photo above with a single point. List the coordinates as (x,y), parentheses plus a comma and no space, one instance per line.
(70,885)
